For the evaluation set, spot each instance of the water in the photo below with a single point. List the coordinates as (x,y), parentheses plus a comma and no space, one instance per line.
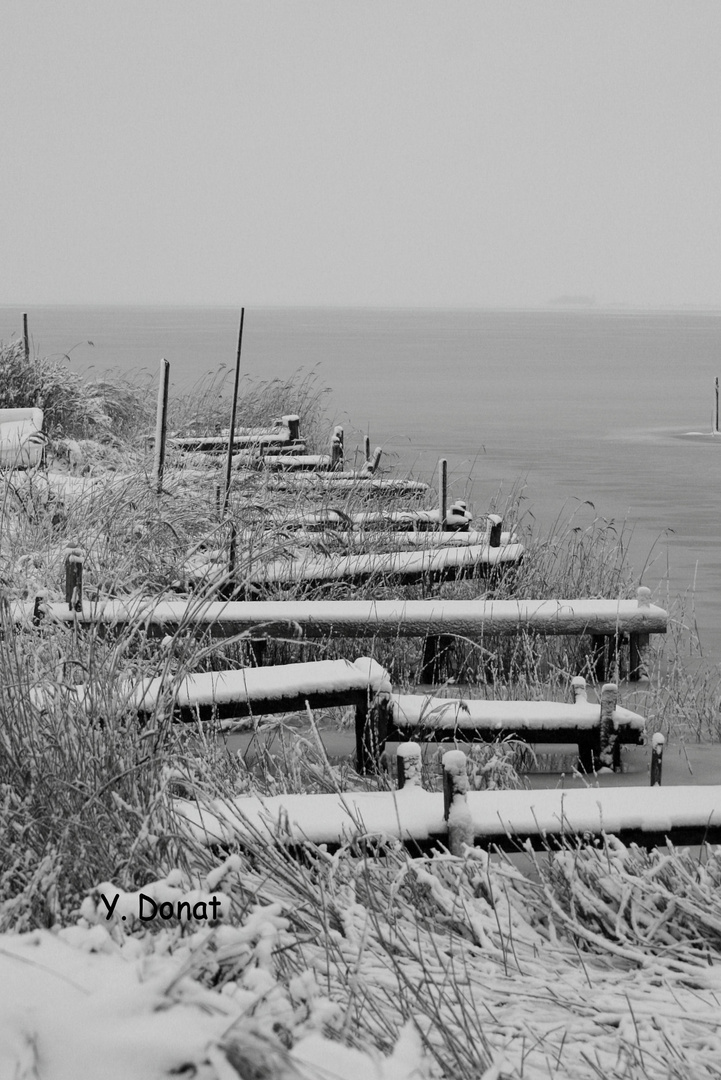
(575,405)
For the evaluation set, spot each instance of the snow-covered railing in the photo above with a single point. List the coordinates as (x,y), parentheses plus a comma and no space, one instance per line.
(422,819)
(599,729)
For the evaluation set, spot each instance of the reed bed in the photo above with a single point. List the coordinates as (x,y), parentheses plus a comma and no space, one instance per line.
(580,962)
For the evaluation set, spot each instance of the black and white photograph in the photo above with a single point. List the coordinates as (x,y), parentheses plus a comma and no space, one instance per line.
(360,540)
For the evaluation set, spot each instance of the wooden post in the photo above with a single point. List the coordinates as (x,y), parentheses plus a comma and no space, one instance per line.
(657,744)
(716,413)
(638,666)
(371,464)
(578,689)
(233,412)
(442,494)
(610,748)
(370,734)
(232,554)
(26,347)
(161,424)
(408,762)
(336,448)
(74,580)
(367,448)
(293,423)
(588,741)
(495,525)
(455,803)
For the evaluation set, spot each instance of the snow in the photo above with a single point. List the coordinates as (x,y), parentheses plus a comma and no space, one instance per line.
(329,568)
(255,686)
(371,617)
(415,710)
(413,813)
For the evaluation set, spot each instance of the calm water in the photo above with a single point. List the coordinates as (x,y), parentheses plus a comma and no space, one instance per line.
(575,405)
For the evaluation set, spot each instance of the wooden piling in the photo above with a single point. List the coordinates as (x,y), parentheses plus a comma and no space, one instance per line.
(336,448)
(74,580)
(233,413)
(442,494)
(495,525)
(293,422)
(455,803)
(26,347)
(610,748)
(161,424)
(367,448)
(408,764)
(657,745)
(716,411)
(578,689)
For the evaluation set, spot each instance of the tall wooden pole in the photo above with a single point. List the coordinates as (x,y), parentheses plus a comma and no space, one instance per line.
(716,416)
(233,411)
(26,339)
(442,494)
(161,423)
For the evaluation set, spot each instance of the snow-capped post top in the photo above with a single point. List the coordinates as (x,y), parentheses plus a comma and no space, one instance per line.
(657,745)
(292,422)
(495,524)
(643,595)
(455,779)
(578,688)
(408,763)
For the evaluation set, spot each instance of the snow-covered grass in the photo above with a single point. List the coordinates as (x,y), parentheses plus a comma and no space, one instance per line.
(583,963)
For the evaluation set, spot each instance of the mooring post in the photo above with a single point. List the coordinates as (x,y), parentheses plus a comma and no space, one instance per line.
(638,666)
(442,494)
(495,525)
(26,340)
(292,422)
(657,745)
(408,763)
(578,689)
(716,414)
(455,803)
(161,424)
(336,448)
(372,464)
(74,579)
(367,448)
(610,748)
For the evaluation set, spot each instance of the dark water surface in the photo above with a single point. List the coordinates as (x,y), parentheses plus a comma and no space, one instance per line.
(575,405)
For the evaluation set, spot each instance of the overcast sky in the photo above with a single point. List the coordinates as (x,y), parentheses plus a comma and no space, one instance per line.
(360,152)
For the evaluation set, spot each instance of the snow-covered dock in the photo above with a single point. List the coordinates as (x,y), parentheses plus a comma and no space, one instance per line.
(507,819)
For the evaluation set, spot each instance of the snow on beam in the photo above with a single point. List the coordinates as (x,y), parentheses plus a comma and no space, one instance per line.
(506,818)
(365,618)
(450,562)
(431,713)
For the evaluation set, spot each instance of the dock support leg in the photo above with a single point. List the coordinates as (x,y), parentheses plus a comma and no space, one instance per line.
(370,734)
(436,657)
(638,657)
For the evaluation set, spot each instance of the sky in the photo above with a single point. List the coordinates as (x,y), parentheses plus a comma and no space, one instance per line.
(360,152)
